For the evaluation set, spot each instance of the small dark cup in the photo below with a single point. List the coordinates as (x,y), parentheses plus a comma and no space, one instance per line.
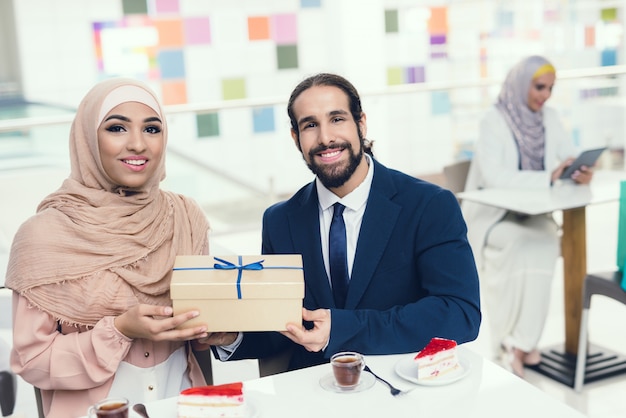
(109,408)
(347,367)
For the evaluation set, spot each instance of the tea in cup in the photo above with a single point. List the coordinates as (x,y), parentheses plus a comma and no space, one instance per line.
(109,408)
(347,367)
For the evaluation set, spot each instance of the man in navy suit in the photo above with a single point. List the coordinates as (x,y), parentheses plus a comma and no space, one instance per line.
(412,274)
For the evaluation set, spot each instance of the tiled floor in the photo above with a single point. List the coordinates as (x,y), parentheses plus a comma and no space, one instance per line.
(598,400)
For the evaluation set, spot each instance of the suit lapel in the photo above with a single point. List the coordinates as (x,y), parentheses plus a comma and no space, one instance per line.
(304,222)
(379,219)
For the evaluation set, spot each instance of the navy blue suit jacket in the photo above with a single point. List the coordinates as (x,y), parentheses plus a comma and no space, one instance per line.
(413,277)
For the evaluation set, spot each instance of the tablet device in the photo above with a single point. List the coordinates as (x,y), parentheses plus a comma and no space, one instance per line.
(587,158)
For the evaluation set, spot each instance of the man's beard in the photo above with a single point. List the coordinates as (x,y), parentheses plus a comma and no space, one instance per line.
(338,174)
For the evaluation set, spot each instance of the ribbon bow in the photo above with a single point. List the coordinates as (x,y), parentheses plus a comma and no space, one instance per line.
(227,265)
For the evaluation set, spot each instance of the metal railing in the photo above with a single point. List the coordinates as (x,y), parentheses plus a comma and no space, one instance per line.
(209,107)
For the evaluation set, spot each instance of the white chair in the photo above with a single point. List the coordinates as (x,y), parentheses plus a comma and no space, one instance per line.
(593,368)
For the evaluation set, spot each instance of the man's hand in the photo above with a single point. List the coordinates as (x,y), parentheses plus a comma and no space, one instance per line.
(156,323)
(315,339)
(214,338)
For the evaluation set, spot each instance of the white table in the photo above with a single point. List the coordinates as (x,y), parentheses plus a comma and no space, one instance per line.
(572,199)
(486,391)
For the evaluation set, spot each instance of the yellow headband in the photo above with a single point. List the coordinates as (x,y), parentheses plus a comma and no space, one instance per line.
(544,69)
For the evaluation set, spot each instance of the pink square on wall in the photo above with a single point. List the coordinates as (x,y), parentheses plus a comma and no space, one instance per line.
(284,29)
(167,6)
(197,30)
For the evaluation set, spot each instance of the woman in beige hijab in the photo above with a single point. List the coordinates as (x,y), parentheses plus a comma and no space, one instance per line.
(90,272)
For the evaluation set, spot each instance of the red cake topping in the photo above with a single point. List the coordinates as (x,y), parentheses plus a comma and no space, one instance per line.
(436,345)
(230,389)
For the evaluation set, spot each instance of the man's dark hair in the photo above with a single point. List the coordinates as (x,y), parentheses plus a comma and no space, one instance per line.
(332,80)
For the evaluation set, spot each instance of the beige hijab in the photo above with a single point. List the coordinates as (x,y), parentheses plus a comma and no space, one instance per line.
(95,248)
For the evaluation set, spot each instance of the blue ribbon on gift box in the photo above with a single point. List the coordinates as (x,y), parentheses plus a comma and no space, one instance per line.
(227,265)
(257,265)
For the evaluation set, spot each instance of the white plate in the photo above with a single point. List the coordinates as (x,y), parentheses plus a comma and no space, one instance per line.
(328,383)
(251,411)
(407,369)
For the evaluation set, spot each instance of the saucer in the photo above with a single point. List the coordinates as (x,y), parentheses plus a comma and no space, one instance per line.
(366,382)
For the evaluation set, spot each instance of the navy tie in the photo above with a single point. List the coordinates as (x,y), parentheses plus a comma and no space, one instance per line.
(337,256)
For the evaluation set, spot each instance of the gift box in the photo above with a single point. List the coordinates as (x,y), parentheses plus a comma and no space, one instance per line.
(239,292)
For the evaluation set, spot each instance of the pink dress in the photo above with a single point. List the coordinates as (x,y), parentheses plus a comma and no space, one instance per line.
(63,364)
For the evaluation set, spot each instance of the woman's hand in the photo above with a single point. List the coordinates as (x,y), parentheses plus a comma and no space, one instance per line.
(556,174)
(583,176)
(156,323)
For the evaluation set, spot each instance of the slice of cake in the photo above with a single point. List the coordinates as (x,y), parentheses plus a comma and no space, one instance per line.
(436,359)
(212,401)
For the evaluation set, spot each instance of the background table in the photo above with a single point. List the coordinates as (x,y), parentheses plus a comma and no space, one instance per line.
(559,362)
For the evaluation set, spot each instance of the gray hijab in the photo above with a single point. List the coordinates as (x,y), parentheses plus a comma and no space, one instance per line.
(526,125)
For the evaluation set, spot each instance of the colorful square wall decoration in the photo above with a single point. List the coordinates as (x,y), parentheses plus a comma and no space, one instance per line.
(391,21)
(170,33)
(263,119)
(284,29)
(609,57)
(172,64)
(197,31)
(208,125)
(167,6)
(415,75)
(440,102)
(233,88)
(127,47)
(287,56)
(174,92)
(395,76)
(134,7)
(310,3)
(258,28)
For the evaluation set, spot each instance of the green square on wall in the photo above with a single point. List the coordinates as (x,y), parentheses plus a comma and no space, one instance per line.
(208,125)
(135,7)
(287,56)
(391,21)
(233,88)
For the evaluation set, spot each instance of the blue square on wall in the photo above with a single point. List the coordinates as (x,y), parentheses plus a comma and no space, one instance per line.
(172,64)
(310,3)
(504,18)
(263,119)
(440,102)
(609,57)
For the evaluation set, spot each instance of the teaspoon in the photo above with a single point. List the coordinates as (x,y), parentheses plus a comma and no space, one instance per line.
(141,410)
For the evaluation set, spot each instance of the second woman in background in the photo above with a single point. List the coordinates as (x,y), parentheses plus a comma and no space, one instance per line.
(522,144)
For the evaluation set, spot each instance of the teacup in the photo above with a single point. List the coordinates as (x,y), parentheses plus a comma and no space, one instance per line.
(347,367)
(109,408)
